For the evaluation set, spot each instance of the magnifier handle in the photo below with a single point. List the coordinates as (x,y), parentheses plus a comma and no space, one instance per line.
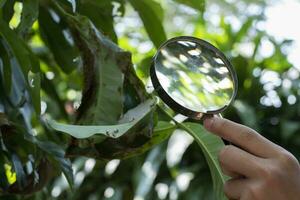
(225,141)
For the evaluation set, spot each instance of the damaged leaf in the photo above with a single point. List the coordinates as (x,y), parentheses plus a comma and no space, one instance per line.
(129,120)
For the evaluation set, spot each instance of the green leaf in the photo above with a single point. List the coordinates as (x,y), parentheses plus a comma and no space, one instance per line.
(59,155)
(73,4)
(100,13)
(30,12)
(130,119)
(6,67)
(51,31)
(161,132)
(210,146)
(35,85)
(108,70)
(3,179)
(103,61)
(81,131)
(27,61)
(115,149)
(2,2)
(18,168)
(53,150)
(195,4)
(7,10)
(143,68)
(151,14)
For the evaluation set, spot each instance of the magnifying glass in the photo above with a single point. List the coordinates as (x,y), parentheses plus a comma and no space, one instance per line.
(193,77)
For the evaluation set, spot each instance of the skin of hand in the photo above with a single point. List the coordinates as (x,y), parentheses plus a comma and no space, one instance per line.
(259,169)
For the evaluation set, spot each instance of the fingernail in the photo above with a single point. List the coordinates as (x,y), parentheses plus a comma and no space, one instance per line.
(208,123)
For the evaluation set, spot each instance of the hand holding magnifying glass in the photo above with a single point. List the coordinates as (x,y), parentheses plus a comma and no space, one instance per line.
(260,169)
(195,79)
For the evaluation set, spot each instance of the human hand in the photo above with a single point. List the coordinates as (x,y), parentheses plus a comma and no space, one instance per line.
(260,169)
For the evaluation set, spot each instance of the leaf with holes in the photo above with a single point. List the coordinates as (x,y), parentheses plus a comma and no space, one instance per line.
(131,119)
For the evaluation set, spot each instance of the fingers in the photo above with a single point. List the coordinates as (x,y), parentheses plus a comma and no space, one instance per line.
(240,162)
(234,188)
(241,136)
(230,173)
(227,170)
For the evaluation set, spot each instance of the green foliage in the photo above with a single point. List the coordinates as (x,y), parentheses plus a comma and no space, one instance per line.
(102,20)
(151,14)
(196,4)
(52,33)
(29,15)
(210,145)
(72,59)
(27,62)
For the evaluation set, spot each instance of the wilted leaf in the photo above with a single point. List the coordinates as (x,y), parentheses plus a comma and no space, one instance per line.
(105,68)
(103,78)
(128,145)
(130,119)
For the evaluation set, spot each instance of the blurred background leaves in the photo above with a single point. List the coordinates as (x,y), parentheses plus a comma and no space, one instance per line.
(41,58)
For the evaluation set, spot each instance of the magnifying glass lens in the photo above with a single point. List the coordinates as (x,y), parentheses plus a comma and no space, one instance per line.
(194,76)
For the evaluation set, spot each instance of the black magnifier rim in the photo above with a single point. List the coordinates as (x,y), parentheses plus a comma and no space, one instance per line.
(169,100)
